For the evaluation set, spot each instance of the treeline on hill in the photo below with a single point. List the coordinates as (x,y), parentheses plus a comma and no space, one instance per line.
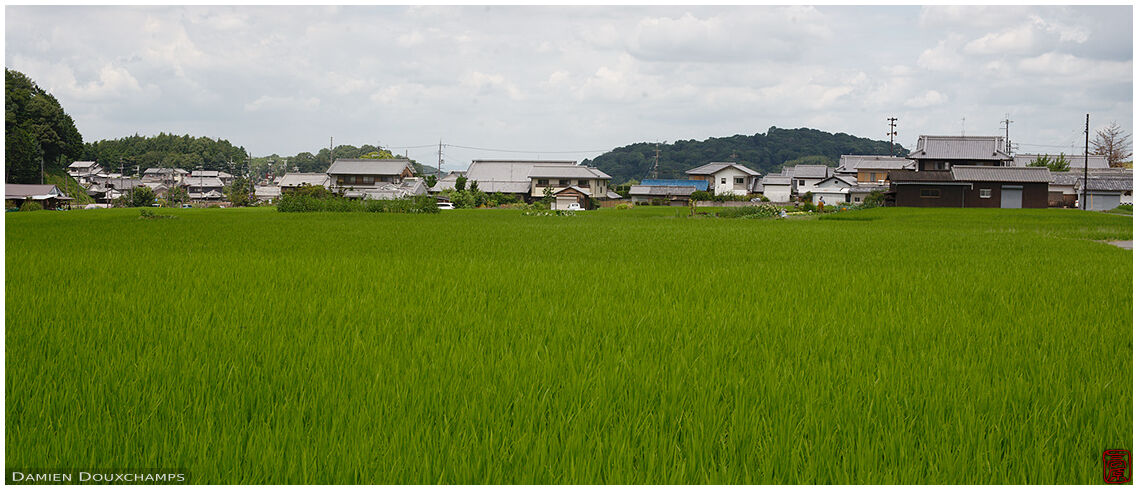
(765,153)
(167,150)
(320,161)
(36,131)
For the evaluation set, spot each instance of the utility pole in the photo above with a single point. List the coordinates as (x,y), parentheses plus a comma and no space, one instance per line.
(41,169)
(656,166)
(330,151)
(962,126)
(1007,134)
(440,156)
(892,133)
(1086,153)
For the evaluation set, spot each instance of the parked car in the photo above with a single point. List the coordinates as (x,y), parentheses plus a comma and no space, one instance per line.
(446,205)
(574,206)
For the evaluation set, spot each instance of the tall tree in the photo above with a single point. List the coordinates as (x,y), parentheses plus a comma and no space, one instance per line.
(36,112)
(22,155)
(1113,142)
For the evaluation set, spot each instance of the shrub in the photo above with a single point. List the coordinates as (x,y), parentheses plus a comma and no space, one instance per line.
(873,200)
(31,205)
(623,205)
(752,212)
(301,203)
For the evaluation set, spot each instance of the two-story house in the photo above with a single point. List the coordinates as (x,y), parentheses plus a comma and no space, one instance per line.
(359,173)
(569,184)
(726,177)
(945,152)
(83,171)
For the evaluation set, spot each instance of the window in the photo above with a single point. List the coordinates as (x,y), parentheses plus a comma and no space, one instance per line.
(583,183)
(857,199)
(723,180)
(542,182)
(738,180)
(801,182)
(985,193)
(873,176)
(930,193)
(563,182)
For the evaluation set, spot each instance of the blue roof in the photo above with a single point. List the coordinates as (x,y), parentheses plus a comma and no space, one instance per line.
(700,185)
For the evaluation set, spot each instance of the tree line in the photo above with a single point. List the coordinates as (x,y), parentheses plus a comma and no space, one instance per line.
(765,153)
(37,132)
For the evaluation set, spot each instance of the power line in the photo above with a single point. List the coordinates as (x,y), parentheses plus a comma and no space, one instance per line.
(525,151)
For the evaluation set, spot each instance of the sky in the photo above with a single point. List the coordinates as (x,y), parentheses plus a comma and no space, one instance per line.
(571,82)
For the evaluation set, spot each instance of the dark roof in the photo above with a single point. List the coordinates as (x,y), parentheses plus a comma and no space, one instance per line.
(851,163)
(898,176)
(1099,184)
(960,148)
(811,171)
(361,166)
(968,173)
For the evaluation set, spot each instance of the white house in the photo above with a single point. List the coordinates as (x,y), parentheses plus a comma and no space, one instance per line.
(82,171)
(805,177)
(833,190)
(778,187)
(726,177)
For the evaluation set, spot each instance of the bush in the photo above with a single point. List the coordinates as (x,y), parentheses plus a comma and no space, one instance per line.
(31,205)
(752,212)
(873,200)
(623,205)
(702,196)
(295,202)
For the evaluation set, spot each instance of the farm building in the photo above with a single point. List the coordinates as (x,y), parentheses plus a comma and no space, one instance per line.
(972,187)
(805,177)
(569,182)
(447,182)
(409,187)
(49,196)
(871,168)
(860,191)
(675,195)
(945,152)
(364,174)
(204,188)
(1104,193)
(292,180)
(700,185)
(778,187)
(268,193)
(833,190)
(169,176)
(726,177)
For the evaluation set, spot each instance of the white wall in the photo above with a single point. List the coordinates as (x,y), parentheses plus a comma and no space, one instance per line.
(730,173)
(777,193)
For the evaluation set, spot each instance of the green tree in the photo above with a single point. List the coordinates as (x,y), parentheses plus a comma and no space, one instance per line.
(432,180)
(240,192)
(1059,164)
(137,197)
(460,183)
(378,155)
(37,113)
(474,186)
(176,196)
(22,157)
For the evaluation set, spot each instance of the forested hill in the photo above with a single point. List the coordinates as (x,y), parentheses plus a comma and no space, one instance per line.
(765,153)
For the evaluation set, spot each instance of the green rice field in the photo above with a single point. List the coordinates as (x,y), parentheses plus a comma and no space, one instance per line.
(616,346)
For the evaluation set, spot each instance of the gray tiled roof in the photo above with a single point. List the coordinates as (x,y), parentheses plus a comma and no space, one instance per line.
(82,164)
(968,173)
(713,167)
(297,179)
(838,178)
(1106,184)
(775,179)
(960,148)
(851,163)
(207,182)
(1076,161)
(898,176)
(362,166)
(210,173)
(811,171)
(507,176)
(661,190)
(21,191)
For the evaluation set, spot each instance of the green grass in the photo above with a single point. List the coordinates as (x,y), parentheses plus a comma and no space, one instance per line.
(615,346)
(68,186)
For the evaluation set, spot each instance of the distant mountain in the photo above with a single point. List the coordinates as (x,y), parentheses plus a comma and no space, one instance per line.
(766,153)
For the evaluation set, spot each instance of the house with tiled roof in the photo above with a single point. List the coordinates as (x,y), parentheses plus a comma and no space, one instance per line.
(871,168)
(726,177)
(945,152)
(971,186)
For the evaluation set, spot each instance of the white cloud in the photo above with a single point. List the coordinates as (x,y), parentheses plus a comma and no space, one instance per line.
(928,99)
(266,102)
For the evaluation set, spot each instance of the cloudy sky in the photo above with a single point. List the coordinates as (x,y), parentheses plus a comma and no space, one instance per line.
(571,82)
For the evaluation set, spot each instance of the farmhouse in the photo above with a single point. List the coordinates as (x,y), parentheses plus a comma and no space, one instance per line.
(832,190)
(805,177)
(363,174)
(569,183)
(778,187)
(200,187)
(292,180)
(49,196)
(971,186)
(225,177)
(267,193)
(726,177)
(871,168)
(945,152)
(82,171)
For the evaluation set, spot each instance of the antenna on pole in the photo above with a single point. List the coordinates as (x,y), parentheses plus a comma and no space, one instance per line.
(440,156)
(962,126)
(892,133)
(1086,154)
(656,165)
(1007,134)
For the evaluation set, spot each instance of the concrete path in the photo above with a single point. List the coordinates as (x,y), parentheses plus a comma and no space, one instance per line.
(1127,244)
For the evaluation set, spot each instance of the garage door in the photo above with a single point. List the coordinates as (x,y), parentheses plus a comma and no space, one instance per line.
(1011,196)
(564,202)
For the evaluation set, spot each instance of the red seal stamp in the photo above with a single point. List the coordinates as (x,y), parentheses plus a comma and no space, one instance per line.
(1116,467)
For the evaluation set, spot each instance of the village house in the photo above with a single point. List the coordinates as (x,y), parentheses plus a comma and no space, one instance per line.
(268,193)
(569,184)
(805,177)
(204,188)
(1097,162)
(726,177)
(447,182)
(293,180)
(356,174)
(972,187)
(673,195)
(871,169)
(49,196)
(225,177)
(168,176)
(1104,192)
(83,171)
(945,152)
(833,190)
(778,187)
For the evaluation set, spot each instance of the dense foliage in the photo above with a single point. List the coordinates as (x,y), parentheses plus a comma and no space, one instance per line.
(1058,164)
(35,127)
(302,202)
(765,153)
(137,197)
(167,150)
(319,162)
